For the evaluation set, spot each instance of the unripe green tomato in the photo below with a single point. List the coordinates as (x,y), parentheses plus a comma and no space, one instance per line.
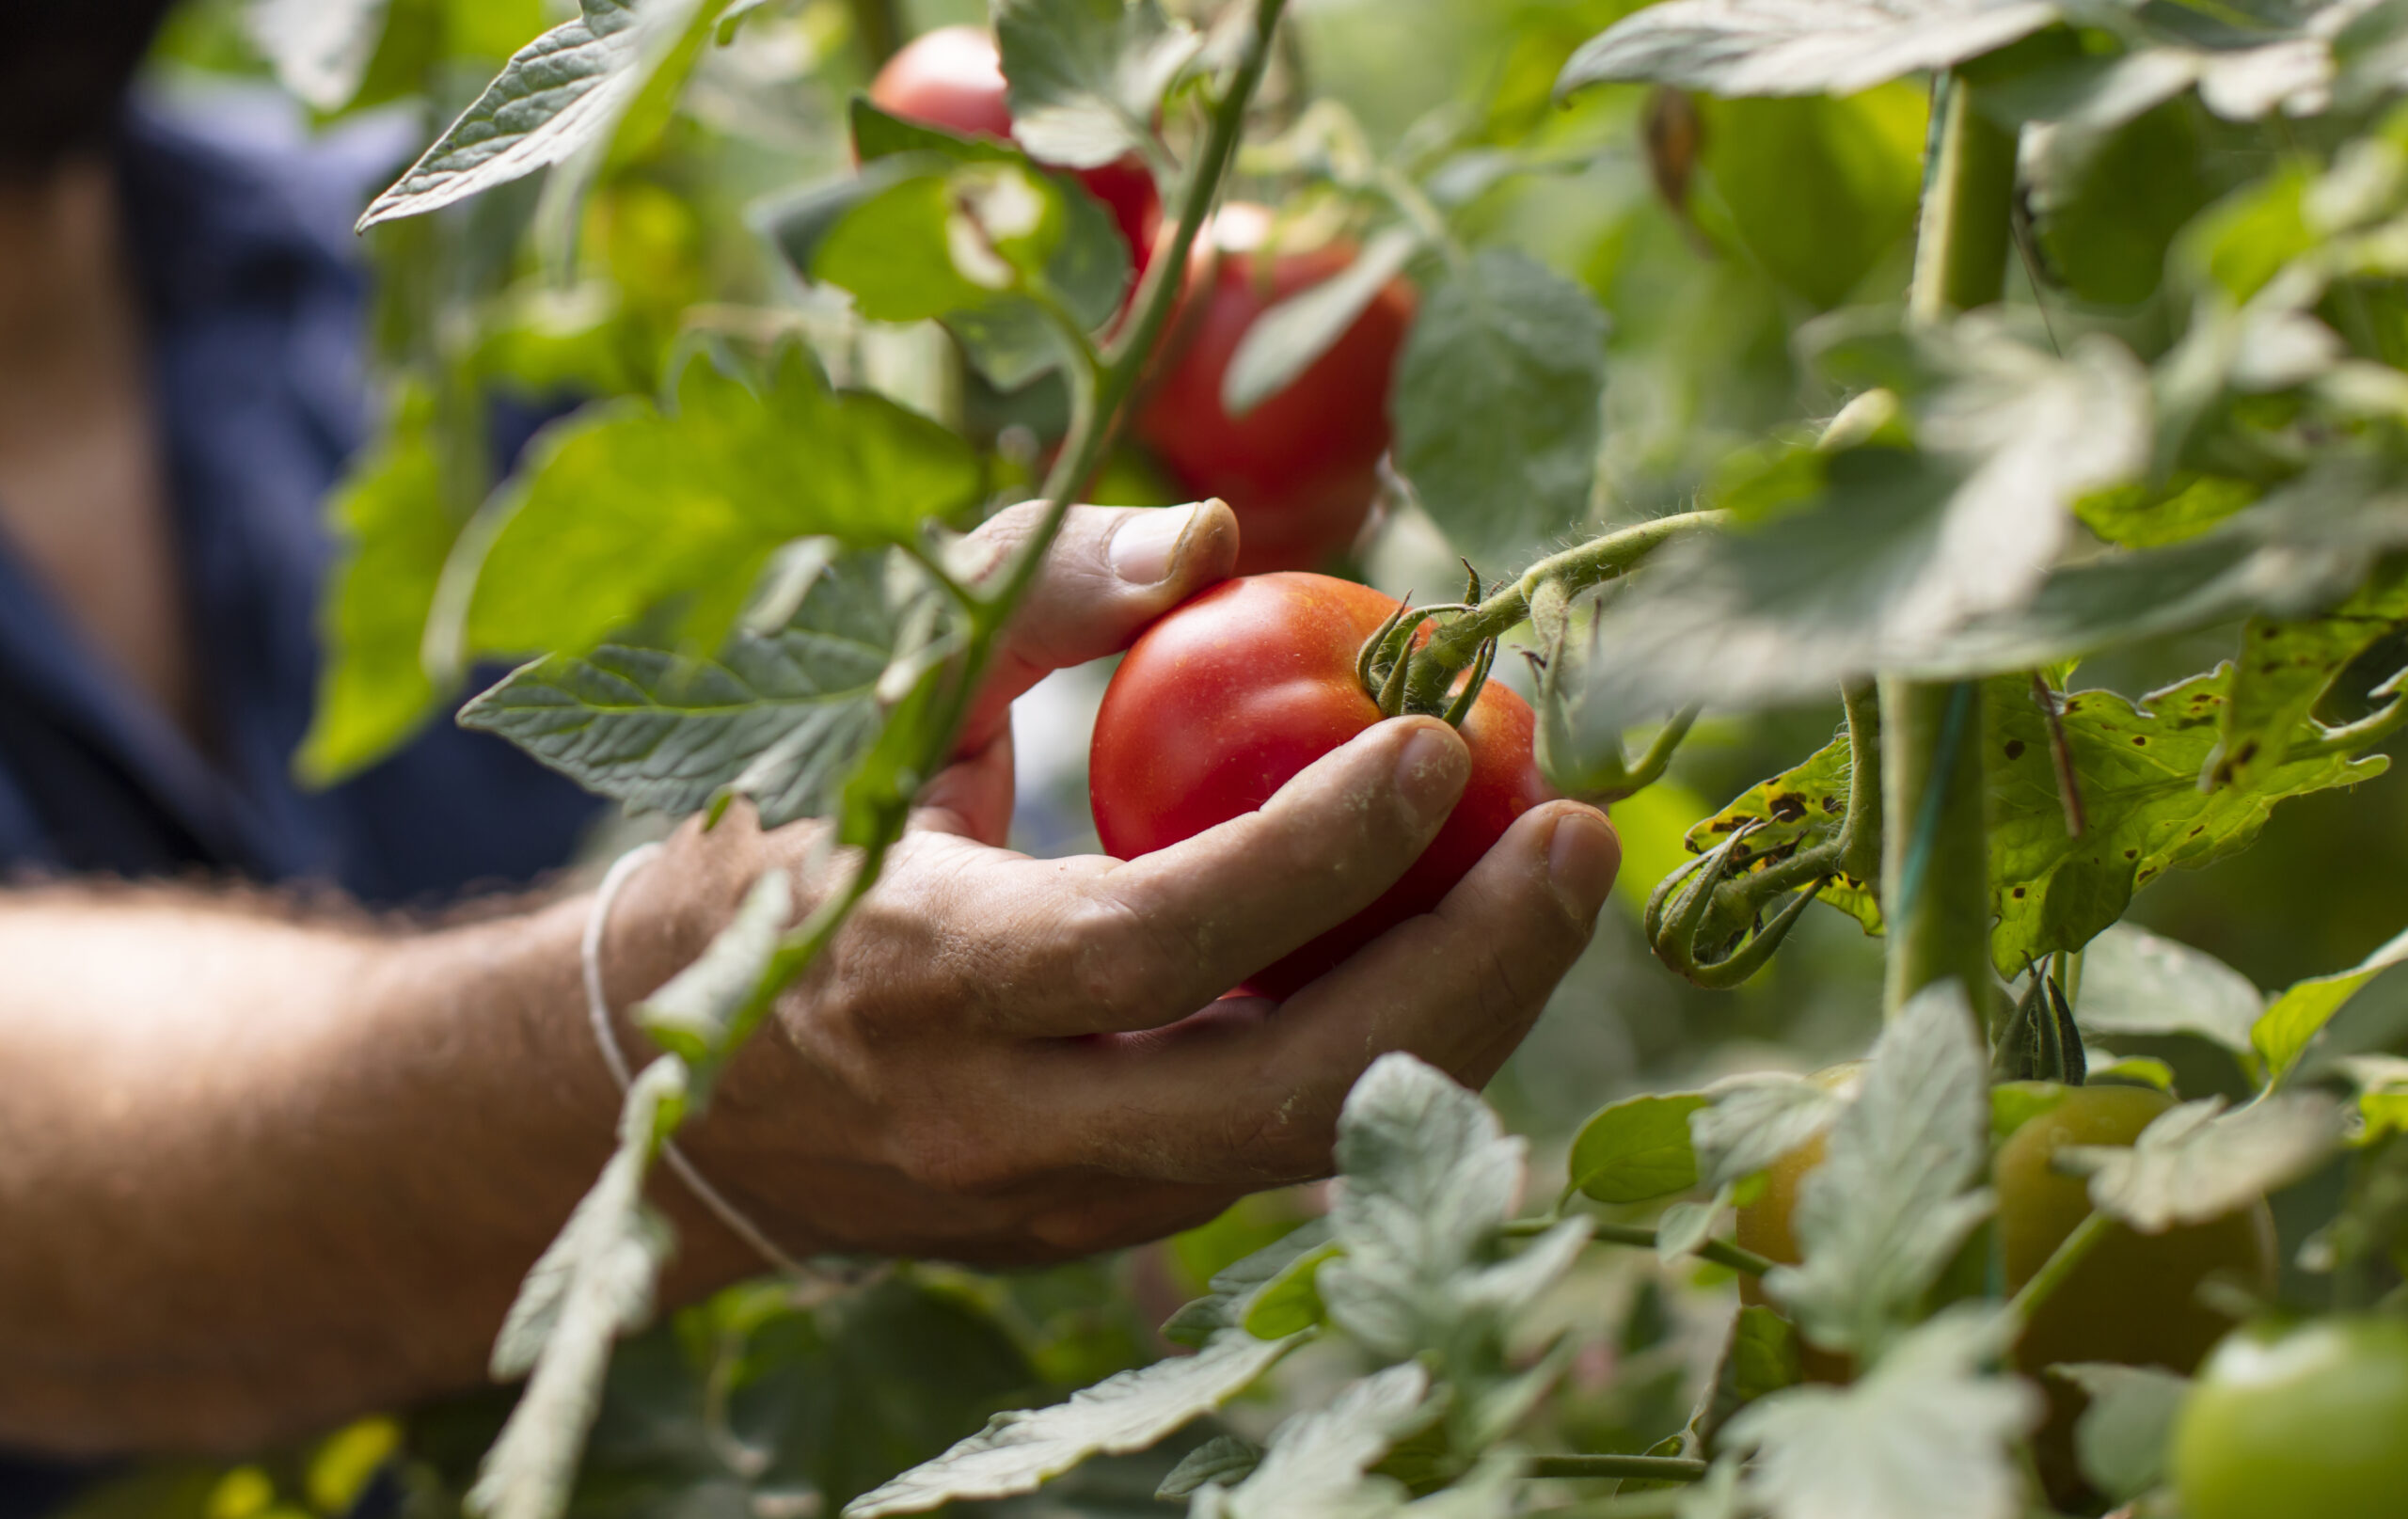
(2304,1423)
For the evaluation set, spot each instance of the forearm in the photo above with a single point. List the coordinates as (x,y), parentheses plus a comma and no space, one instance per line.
(259,1172)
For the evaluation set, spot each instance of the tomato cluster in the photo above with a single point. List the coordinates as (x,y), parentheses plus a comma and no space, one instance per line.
(1229,696)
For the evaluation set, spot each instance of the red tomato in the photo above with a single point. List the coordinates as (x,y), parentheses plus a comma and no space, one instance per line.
(1222,701)
(952,78)
(1300,469)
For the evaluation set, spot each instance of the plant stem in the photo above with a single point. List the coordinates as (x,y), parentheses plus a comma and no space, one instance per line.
(1721,1252)
(2059,1266)
(879,29)
(1453,644)
(1652,1468)
(1861,835)
(1935,838)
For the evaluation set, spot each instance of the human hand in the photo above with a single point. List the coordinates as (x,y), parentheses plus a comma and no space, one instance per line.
(1004,1059)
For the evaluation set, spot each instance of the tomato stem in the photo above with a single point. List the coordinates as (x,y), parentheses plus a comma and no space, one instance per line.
(1650,1468)
(1721,1252)
(1935,887)
(1861,832)
(1456,644)
(2059,1266)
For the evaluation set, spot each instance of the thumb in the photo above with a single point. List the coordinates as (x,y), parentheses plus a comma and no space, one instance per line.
(1111,572)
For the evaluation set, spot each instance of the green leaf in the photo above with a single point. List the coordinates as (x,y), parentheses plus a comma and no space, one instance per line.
(1754,1120)
(1881,1218)
(1639,1150)
(1498,402)
(1086,77)
(1290,1302)
(1223,1461)
(1236,1287)
(2122,1436)
(1428,1177)
(1761,1357)
(2196,1162)
(1284,340)
(1763,47)
(594,1284)
(397,528)
(2285,667)
(1315,1462)
(561,94)
(1820,192)
(1129,1411)
(1930,1430)
(951,240)
(2142,808)
(320,48)
(2301,1013)
(2139,515)
(694,1014)
(881,135)
(783,718)
(2133,982)
(627,505)
(2106,218)
(1801,807)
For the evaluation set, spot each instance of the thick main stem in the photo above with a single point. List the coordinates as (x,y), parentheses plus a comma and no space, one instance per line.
(1934,856)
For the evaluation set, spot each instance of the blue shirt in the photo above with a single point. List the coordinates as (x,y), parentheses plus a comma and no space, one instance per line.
(255,305)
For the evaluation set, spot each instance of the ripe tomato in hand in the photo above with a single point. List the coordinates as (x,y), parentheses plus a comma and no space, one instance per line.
(2306,1422)
(952,78)
(1225,699)
(1301,469)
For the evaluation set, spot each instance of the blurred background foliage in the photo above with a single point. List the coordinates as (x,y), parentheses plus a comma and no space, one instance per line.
(1708,230)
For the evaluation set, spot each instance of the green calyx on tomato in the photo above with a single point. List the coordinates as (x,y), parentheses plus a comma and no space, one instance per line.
(2302,1421)
(1387,664)
(1224,701)
(1301,468)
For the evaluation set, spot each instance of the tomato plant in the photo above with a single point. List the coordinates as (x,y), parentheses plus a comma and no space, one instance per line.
(2297,1420)
(952,78)
(1941,467)
(1301,466)
(1225,699)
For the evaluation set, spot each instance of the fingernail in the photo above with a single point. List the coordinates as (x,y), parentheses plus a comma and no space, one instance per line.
(1145,546)
(1430,773)
(1582,862)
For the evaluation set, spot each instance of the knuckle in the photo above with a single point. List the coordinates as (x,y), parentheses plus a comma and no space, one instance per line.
(1127,965)
(951,1158)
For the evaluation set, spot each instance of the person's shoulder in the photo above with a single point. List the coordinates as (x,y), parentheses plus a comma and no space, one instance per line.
(227,183)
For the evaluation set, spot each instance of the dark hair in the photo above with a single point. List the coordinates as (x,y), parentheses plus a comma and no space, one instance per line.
(64,69)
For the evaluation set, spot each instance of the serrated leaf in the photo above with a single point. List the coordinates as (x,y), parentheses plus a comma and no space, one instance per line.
(561,94)
(1290,1302)
(1754,1120)
(1238,1287)
(2140,516)
(692,1015)
(594,1284)
(397,528)
(627,505)
(1929,1430)
(1426,1177)
(1803,806)
(2135,981)
(2288,1026)
(782,719)
(1086,78)
(1780,47)
(1283,341)
(1128,1411)
(953,239)
(1880,558)
(2196,1162)
(319,48)
(1498,404)
(1879,1220)
(2285,667)
(1314,1466)
(1639,1150)
(2122,1436)
(1222,1460)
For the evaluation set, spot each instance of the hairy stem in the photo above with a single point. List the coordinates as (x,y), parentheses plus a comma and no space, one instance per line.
(1935,839)
(1454,644)
(1860,835)
(1650,1468)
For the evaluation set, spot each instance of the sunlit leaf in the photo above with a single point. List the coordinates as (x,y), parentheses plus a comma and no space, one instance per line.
(2135,981)
(2287,666)
(1638,1149)
(320,48)
(1779,47)
(2122,1438)
(2301,1013)
(1284,340)
(693,1014)
(1086,77)
(1314,1466)
(2197,1162)
(1751,1121)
